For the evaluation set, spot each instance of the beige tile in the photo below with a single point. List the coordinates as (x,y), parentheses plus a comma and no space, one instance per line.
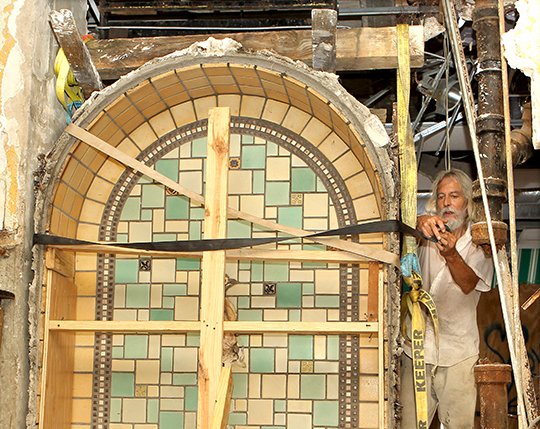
(84,339)
(123,365)
(274,386)
(153,391)
(366,207)
(369,415)
(194,282)
(260,412)
(240,182)
(232,101)
(125,315)
(81,410)
(369,361)
(140,231)
(143,136)
(299,421)
(185,359)
(156,291)
(82,385)
(308,301)
(326,367)
(281,360)
(173,340)
(315,131)
(293,386)
(271,212)
(296,120)
(158,220)
(320,347)
(191,180)
(146,426)
(263,301)
(369,388)
(333,315)
(129,147)
(166,378)
(203,105)
(315,224)
(143,315)
(239,405)
(194,164)
(278,168)
(314,315)
(186,308)
(275,111)
(85,282)
(100,190)
(122,227)
(276,315)
(85,261)
(275,340)
(280,419)
(252,106)
(162,123)
(333,147)
(359,185)
(183,113)
(86,308)
(190,420)
(301,275)
(111,171)
(254,386)
(134,410)
(327,282)
(171,404)
(172,391)
(86,231)
(176,226)
(332,386)
(294,367)
(147,372)
(316,205)
(163,270)
(299,406)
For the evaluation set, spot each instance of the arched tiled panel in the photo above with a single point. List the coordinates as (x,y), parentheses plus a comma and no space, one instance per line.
(301,155)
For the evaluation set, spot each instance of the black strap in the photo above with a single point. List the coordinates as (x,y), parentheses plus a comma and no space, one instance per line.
(234,243)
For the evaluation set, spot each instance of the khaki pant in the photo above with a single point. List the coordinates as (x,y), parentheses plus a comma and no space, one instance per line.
(451,391)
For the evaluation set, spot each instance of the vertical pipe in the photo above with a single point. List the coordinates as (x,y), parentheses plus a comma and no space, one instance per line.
(491,380)
(489,123)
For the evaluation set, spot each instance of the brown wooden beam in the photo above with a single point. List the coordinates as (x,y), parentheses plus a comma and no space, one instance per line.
(77,54)
(356,48)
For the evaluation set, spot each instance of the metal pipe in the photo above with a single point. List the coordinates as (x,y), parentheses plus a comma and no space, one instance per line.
(490,123)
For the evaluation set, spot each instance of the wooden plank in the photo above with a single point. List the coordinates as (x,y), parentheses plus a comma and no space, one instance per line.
(223,402)
(61,262)
(356,48)
(249,254)
(178,326)
(58,352)
(107,149)
(324,22)
(373,292)
(213,265)
(77,54)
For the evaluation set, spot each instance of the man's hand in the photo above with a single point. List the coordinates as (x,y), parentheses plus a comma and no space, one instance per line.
(447,245)
(431,226)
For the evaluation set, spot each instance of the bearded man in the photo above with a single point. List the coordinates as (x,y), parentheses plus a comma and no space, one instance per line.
(455,272)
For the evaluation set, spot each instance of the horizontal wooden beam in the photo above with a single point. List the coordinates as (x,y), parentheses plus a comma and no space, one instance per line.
(247,327)
(363,48)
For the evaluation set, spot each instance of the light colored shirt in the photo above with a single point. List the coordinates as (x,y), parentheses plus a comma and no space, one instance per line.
(458,328)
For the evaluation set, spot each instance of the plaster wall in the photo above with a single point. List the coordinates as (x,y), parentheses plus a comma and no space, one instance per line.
(30,121)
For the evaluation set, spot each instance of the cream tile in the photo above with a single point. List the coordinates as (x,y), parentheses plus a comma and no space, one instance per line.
(293,386)
(278,168)
(299,421)
(162,123)
(82,385)
(203,105)
(274,386)
(140,231)
(314,315)
(171,404)
(177,226)
(173,340)
(163,270)
(332,386)
(185,359)
(276,315)
(326,367)
(366,207)
(254,386)
(186,308)
(263,302)
(369,361)
(158,220)
(232,101)
(240,405)
(194,282)
(369,415)
(172,392)
(156,292)
(81,410)
(143,136)
(274,111)
(134,410)
(252,106)
(240,182)
(327,282)
(296,120)
(315,131)
(301,275)
(369,388)
(299,407)
(191,180)
(315,224)
(333,147)
(281,360)
(153,391)
(260,412)
(316,205)
(123,365)
(359,185)
(194,164)
(183,113)
(275,340)
(166,378)
(85,261)
(320,347)
(147,372)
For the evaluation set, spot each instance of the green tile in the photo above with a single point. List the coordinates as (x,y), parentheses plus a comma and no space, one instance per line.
(137,295)
(271,149)
(166,359)
(273,427)
(238,229)
(308,288)
(193,339)
(320,185)
(122,238)
(188,264)
(295,315)
(261,360)
(325,413)
(276,271)
(159,314)
(131,209)
(243,340)
(118,352)
(300,347)
(312,386)
(153,195)
(168,302)
(256,271)
(240,383)
(237,418)
(327,301)
(246,139)
(123,384)
(136,346)
(288,295)
(199,148)
(174,289)
(250,315)
(290,216)
(176,207)
(313,265)
(147,214)
(115,412)
(163,237)
(126,271)
(196,213)
(168,167)
(311,246)
(171,420)
(184,379)
(152,410)
(258,182)
(243,302)
(332,347)
(190,399)
(195,230)
(253,157)
(303,180)
(280,406)
(277,193)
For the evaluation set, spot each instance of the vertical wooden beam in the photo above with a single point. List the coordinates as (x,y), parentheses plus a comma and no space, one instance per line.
(77,54)
(373,292)
(213,264)
(223,401)
(324,24)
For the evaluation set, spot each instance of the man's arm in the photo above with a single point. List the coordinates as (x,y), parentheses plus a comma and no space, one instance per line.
(463,275)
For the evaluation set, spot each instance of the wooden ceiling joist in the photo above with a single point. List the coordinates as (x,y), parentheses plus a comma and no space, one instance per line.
(356,48)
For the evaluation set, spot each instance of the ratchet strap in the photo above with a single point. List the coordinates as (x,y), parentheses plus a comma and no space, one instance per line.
(234,243)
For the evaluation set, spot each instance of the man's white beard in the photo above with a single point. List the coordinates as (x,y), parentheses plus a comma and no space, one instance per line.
(461,216)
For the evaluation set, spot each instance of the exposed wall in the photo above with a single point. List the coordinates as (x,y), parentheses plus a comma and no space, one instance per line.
(30,121)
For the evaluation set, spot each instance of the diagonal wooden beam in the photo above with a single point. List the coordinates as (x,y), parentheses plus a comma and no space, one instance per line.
(223,400)
(213,265)
(104,147)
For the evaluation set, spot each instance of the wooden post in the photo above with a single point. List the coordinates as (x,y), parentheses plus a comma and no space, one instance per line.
(213,264)
(223,401)
(77,53)
(324,23)
(373,292)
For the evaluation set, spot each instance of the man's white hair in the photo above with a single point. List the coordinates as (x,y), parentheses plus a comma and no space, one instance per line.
(466,186)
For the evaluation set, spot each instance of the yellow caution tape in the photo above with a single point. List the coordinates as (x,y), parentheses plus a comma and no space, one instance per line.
(67,88)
